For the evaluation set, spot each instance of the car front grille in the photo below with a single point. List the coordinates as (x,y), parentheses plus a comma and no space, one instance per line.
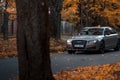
(79,44)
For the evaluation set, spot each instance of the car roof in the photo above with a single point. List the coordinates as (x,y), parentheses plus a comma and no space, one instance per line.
(103,27)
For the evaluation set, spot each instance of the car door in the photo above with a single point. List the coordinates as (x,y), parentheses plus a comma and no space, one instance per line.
(110,38)
(114,37)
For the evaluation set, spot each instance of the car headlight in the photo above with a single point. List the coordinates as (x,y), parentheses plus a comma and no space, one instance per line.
(91,42)
(69,42)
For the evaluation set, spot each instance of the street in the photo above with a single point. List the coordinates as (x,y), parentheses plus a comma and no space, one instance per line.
(69,61)
(59,62)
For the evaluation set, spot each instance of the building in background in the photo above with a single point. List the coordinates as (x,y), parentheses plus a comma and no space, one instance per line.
(66,28)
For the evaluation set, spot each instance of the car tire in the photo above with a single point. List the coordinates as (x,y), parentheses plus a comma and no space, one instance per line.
(101,48)
(117,48)
(71,52)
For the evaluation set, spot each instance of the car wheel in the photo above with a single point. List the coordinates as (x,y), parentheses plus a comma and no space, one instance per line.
(71,52)
(117,47)
(101,48)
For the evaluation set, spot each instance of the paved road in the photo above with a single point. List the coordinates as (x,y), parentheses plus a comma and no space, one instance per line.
(68,61)
(9,67)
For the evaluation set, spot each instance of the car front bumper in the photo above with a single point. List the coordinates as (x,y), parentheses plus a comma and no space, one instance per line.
(86,48)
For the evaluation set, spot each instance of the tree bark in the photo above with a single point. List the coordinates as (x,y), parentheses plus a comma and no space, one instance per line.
(5,26)
(5,22)
(33,40)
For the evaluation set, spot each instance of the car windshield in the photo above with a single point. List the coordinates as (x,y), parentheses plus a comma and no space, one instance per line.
(91,31)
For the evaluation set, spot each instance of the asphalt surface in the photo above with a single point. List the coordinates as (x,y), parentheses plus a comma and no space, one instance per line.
(59,62)
(68,61)
(8,68)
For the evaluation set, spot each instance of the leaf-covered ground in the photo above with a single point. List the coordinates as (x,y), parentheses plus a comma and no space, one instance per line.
(57,45)
(9,48)
(100,72)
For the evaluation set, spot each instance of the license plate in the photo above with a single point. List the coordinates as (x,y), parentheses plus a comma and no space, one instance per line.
(78,45)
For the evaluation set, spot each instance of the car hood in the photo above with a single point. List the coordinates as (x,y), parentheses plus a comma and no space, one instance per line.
(88,37)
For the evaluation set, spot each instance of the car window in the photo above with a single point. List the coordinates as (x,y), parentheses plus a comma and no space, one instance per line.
(96,31)
(92,31)
(109,31)
(113,31)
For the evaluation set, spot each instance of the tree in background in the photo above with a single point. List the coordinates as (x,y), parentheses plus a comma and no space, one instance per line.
(69,11)
(55,7)
(8,9)
(112,13)
(12,13)
(92,12)
(4,26)
(33,40)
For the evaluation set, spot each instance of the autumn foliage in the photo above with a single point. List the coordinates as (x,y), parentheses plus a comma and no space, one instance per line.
(57,45)
(100,72)
(10,8)
(92,12)
(8,48)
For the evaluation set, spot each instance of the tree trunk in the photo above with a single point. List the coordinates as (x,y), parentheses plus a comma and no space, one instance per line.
(5,22)
(5,26)
(33,40)
(55,17)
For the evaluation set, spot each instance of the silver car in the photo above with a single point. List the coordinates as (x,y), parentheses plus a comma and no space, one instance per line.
(94,39)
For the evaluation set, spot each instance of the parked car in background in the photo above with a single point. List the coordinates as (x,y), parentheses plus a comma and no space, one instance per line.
(94,39)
